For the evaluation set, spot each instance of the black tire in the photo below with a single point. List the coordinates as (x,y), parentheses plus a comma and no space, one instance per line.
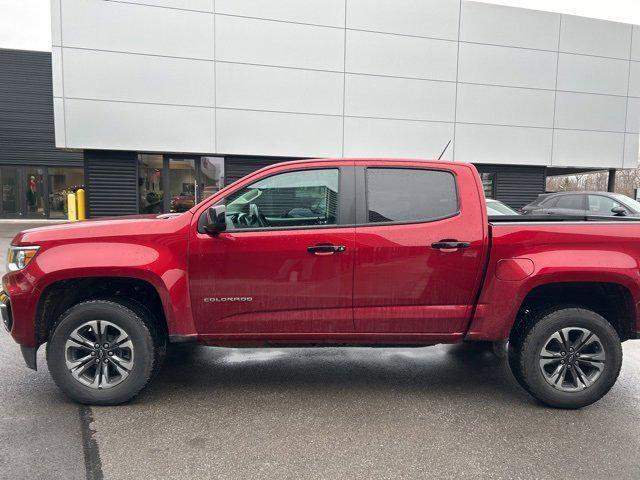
(527,342)
(148,343)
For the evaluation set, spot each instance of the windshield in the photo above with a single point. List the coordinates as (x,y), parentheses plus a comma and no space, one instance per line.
(628,202)
(497,208)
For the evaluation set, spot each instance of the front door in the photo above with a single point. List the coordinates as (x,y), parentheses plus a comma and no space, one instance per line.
(285,263)
(408,276)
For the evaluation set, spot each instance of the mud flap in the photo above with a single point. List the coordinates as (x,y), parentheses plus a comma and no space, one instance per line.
(29,355)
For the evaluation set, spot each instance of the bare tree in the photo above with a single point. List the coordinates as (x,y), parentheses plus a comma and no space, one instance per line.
(626,182)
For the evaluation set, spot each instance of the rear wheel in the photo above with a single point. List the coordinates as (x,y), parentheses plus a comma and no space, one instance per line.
(103,352)
(567,358)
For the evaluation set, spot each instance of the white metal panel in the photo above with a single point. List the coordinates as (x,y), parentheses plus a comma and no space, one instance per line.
(631,147)
(401,98)
(633,115)
(393,55)
(367,137)
(505,106)
(263,42)
(138,78)
(503,145)
(634,79)
(56,33)
(506,66)
(278,134)
(426,18)
(635,44)
(574,148)
(138,126)
(127,27)
(199,5)
(590,36)
(278,89)
(583,111)
(580,73)
(318,12)
(58,115)
(501,25)
(56,71)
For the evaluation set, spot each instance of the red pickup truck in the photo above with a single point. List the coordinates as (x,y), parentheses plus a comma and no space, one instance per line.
(329,252)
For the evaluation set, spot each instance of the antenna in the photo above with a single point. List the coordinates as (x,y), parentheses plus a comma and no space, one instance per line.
(445,149)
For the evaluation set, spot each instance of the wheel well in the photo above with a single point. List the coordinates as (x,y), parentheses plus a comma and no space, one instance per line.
(60,296)
(610,300)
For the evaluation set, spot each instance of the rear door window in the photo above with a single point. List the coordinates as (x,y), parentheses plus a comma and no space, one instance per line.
(410,195)
(570,202)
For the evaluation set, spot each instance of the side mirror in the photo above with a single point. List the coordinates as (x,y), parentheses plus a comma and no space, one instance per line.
(619,211)
(216,221)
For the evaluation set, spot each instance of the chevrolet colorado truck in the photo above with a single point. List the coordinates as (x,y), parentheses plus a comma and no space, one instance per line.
(329,253)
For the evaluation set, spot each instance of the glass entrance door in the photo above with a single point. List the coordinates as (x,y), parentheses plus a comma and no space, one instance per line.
(34,192)
(9,182)
(183,184)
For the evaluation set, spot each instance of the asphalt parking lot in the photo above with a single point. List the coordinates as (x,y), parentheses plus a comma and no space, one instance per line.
(439,412)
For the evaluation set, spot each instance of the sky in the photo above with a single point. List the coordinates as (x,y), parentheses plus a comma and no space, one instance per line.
(25,24)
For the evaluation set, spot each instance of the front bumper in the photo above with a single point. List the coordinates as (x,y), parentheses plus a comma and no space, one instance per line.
(5,311)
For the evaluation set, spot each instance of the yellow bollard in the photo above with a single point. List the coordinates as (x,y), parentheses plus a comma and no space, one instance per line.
(71,207)
(82,213)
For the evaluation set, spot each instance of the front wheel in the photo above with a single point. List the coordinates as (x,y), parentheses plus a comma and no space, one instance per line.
(567,358)
(103,352)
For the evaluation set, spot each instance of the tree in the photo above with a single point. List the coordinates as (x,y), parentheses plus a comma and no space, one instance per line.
(626,182)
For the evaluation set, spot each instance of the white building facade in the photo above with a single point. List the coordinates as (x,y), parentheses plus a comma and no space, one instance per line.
(360,78)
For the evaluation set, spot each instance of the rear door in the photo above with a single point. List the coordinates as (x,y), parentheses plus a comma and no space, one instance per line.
(420,243)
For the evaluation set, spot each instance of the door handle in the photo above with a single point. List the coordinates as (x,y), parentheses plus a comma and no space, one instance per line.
(325,249)
(449,245)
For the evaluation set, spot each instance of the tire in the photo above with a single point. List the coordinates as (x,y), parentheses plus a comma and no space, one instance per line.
(590,370)
(129,366)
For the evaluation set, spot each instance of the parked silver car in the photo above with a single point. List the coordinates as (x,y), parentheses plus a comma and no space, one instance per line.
(583,203)
(494,207)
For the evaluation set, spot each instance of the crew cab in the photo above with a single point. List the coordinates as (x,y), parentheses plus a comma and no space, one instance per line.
(342,252)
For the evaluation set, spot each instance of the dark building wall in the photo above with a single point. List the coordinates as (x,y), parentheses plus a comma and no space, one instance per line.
(27,135)
(112,183)
(516,185)
(237,167)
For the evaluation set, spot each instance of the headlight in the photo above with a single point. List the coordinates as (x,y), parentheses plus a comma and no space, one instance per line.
(19,257)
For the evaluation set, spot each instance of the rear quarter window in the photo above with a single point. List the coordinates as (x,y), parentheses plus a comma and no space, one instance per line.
(410,195)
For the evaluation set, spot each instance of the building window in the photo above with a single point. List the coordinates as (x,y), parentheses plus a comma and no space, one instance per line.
(488,184)
(150,189)
(62,182)
(34,189)
(212,169)
(182,184)
(172,183)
